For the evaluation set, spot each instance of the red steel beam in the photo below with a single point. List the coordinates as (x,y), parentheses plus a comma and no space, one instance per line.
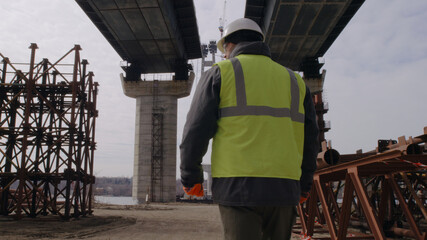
(332,200)
(404,206)
(303,218)
(325,208)
(370,215)
(364,161)
(414,195)
(346,208)
(385,203)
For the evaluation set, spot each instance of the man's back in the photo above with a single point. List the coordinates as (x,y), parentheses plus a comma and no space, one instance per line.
(262,119)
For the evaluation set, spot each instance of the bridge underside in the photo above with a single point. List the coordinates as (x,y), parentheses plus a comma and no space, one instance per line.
(299,32)
(152,36)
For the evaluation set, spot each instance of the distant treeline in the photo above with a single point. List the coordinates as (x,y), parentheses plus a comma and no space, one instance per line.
(113,186)
(122,186)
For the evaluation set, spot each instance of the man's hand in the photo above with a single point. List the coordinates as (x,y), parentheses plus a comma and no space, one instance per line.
(303,197)
(196,190)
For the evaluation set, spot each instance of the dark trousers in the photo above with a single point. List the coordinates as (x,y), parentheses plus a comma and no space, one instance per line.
(257,223)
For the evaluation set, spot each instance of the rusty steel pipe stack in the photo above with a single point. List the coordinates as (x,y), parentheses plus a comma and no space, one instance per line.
(381,192)
(47,136)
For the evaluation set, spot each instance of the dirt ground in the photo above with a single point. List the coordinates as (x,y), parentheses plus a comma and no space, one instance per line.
(176,221)
(155,221)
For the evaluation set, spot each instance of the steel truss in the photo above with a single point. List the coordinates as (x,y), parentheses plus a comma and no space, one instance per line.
(384,194)
(47,137)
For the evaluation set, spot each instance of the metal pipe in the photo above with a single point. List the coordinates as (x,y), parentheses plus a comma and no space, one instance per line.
(4,71)
(408,149)
(327,158)
(403,232)
(411,146)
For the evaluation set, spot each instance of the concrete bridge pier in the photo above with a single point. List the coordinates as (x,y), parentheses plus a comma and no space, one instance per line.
(154,177)
(207,169)
(315,84)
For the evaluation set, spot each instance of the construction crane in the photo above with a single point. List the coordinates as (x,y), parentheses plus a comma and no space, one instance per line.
(222,19)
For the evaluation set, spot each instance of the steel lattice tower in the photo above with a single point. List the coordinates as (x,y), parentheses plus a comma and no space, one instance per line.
(47,137)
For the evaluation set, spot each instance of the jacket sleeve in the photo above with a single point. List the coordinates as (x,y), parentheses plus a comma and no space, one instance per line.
(311,143)
(200,127)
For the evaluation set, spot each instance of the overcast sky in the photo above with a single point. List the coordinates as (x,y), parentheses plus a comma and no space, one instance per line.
(375,82)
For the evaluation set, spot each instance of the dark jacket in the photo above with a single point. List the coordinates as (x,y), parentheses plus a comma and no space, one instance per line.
(201,126)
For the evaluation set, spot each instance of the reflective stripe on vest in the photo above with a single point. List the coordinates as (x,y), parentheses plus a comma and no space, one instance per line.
(243,109)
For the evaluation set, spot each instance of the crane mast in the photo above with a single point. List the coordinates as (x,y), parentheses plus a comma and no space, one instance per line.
(222,19)
(211,47)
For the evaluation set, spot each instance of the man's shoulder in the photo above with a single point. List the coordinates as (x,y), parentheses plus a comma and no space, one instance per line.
(213,69)
(212,73)
(222,63)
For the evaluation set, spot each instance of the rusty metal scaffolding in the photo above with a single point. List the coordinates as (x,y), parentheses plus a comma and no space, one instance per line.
(381,194)
(47,137)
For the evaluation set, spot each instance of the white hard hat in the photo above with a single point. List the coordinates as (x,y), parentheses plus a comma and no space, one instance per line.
(237,25)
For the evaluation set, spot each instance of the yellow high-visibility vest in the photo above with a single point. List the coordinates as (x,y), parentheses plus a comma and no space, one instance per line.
(261,124)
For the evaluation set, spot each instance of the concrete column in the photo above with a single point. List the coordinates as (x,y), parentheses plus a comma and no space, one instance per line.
(207,169)
(315,84)
(167,95)
(316,88)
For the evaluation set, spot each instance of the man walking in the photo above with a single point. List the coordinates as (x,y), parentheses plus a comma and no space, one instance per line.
(263,124)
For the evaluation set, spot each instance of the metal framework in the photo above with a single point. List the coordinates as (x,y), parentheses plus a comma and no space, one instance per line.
(383,194)
(156,147)
(47,137)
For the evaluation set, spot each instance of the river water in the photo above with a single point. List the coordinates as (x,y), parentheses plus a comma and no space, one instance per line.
(117,200)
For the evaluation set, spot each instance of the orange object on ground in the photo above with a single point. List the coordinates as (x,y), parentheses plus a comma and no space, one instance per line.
(196,190)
